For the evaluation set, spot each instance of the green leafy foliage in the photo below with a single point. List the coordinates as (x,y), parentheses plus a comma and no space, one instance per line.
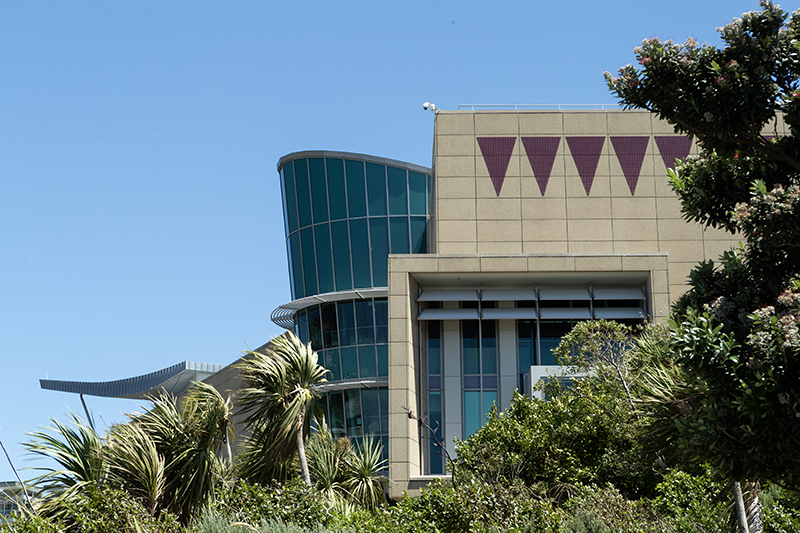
(99,509)
(292,503)
(584,433)
(279,401)
(735,400)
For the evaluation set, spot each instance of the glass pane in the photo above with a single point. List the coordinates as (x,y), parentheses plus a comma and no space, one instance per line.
(376,189)
(319,191)
(298,290)
(335,402)
(291,196)
(365,322)
(333,364)
(302,326)
(551,333)
(398,197)
(359,241)
(347,324)
(419,235)
(379,241)
(349,363)
(323,406)
(399,230)
(324,258)
(330,333)
(381,320)
(366,362)
(352,409)
(416,193)
(356,195)
(489,352)
(303,193)
(489,399)
(383,360)
(435,420)
(309,261)
(434,348)
(336,192)
(473,412)
(470,347)
(341,255)
(547,357)
(315,328)
(371,411)
(525,344)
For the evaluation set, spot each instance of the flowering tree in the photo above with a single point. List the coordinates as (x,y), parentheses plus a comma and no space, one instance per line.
(735,334)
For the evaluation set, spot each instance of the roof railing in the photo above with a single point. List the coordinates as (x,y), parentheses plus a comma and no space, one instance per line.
(517,107)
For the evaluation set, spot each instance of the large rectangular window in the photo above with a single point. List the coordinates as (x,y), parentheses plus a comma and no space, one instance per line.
(376,189)
(291,196)
(398,228)
(319,189)
(379,240)
(356,192)
(341,255)
(359,240)
(419,235)
(435,454)
(324,258)
(303,192)
(367,367)
(330,331)
(309,261)
(315,328)
(417,193)
(398,195)
(333,364)
(337,197)
(349,363)
(347,324)
(298,285)
(381,320)
(365,322)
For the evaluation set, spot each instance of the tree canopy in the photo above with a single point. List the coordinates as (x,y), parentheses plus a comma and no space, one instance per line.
(735,397)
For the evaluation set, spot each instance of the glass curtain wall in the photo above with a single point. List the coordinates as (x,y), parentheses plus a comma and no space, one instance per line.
(344,216)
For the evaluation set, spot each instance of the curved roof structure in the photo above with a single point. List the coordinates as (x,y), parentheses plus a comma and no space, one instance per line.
(174,380)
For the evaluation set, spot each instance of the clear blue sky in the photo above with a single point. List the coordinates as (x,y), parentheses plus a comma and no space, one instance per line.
(140,216)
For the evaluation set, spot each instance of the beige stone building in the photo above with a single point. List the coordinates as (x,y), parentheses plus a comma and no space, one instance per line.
(538,218)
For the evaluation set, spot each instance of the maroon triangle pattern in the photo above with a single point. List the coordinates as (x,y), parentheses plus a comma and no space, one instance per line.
(630,154)
(673,147)
(586,154)
(541,155)
(496,154)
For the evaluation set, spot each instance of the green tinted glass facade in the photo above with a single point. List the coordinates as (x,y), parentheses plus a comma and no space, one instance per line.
(344,215)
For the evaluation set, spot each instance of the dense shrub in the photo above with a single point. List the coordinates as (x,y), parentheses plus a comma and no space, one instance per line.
(290,503)
(471,507)
(693,502)
(100,510)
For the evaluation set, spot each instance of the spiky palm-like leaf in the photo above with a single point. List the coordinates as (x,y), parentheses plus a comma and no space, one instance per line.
(365,484)
(136,466)
(188,439)
(280,397)
(77,450)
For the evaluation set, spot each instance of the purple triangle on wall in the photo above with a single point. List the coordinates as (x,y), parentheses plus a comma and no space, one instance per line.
(541,155)
(496,154)
(630,153)
(586,154)
(673,147)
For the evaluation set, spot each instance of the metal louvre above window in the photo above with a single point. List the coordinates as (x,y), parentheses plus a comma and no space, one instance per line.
(612,303)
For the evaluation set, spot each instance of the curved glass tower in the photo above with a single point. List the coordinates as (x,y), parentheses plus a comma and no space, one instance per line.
(344,213)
